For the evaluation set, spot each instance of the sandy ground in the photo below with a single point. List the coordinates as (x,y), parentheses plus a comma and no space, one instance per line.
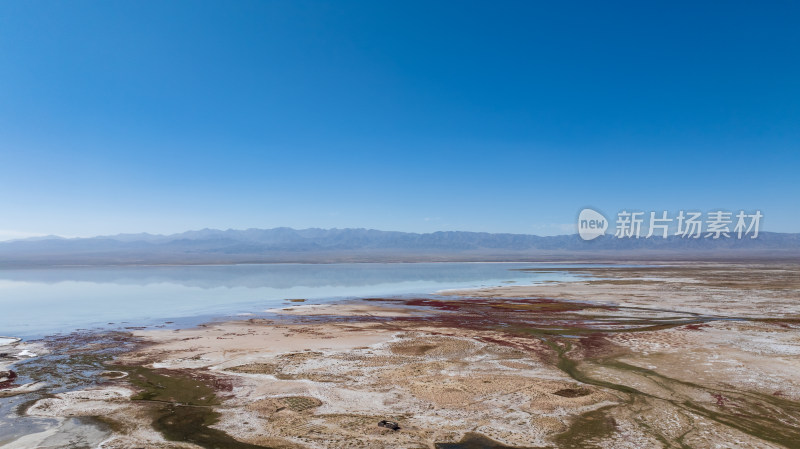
(434,382)
(676,356)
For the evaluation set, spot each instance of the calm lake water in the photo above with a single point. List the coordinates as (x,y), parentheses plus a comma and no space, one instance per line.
(45,301)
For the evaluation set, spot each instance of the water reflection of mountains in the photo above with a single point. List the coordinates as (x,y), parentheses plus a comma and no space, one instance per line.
(274,275)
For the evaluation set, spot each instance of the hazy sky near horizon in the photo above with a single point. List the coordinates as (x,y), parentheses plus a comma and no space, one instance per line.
(131,116)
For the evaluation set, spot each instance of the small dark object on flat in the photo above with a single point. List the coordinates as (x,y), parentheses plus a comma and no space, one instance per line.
(7,378)
(389,424)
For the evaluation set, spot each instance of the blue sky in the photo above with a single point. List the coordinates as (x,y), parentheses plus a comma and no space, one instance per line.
(414,116)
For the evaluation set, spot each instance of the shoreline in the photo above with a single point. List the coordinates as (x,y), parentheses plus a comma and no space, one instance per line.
(547,365)
(767,256)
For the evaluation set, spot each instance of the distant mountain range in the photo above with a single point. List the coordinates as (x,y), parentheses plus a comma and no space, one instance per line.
(210,246)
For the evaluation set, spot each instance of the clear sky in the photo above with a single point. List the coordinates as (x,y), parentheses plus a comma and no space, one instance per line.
(165,116)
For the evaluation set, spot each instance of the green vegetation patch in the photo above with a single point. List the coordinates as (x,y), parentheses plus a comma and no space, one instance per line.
(183,407)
